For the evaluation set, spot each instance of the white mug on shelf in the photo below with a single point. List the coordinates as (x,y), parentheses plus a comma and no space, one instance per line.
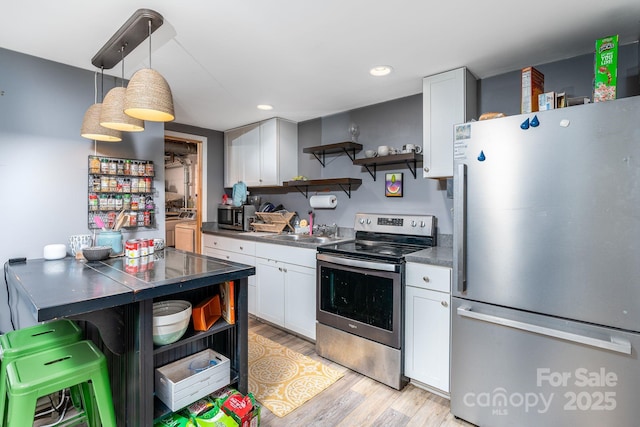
(383,150)
(370,153)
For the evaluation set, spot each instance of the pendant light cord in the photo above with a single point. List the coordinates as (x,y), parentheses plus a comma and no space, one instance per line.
(101,84)
(122,56)
(95,87)
(150,43)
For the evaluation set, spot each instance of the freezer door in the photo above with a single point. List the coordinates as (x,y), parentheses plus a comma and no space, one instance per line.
(511,368)
(547,218)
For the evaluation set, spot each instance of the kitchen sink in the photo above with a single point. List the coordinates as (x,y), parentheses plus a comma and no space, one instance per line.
(304,238)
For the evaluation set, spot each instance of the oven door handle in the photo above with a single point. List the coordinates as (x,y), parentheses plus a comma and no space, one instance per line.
(359,263)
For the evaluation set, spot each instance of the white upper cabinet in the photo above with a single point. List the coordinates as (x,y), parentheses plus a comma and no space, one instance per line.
(447,99)
(264,153)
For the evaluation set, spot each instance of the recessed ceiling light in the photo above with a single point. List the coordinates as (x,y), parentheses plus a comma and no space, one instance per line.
(380,70)
(265,107)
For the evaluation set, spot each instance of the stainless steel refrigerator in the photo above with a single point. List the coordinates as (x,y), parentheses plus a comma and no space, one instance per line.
(546,290)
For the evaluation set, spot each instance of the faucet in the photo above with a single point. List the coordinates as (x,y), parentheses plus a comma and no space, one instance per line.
(327,230)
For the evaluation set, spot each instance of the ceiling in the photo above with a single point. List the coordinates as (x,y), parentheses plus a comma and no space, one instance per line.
(311,58)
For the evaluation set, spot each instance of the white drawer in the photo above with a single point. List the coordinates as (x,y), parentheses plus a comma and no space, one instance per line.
(240,246)
(428,277)
(289,254)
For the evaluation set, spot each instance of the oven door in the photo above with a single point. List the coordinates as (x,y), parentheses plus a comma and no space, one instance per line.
(361,297)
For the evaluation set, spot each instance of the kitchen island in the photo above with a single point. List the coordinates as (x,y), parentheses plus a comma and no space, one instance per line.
(113,301)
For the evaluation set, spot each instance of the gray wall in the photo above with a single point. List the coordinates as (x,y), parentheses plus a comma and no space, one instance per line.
(400,121)
(391,123)
(573,76)
(43,159)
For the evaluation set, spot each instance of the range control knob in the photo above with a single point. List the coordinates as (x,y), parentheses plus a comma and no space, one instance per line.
(361,220)
(368,221)
(422,224)
(413,223)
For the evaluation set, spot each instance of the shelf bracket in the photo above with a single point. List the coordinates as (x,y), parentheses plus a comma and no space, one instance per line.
(349,153)
(305,193)
(321,160)
(346,189)
(372,173)
(413,171)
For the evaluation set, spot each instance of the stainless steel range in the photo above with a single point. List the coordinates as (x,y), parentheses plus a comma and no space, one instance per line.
(360,289)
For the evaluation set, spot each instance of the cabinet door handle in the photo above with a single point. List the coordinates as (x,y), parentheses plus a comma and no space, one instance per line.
(426,169)
(279,268)
(425,278)
(284,269)
(215,243)
(241,248)
(444,304)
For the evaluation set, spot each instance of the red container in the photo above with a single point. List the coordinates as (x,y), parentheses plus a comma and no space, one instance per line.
(144,247)
(132,248)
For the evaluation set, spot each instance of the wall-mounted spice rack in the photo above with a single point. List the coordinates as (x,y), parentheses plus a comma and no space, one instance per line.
(117,184)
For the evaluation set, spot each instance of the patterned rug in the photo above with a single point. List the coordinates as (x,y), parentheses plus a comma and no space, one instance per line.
(282,379)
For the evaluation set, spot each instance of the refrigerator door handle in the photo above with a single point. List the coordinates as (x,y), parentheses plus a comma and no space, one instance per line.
(617,344)
(459,218)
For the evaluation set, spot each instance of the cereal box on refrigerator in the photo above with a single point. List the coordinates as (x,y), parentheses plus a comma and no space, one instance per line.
(532,85)
(606,69)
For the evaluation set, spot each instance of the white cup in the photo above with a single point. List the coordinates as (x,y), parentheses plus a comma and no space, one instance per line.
(408,148)
(370,153)
(383,150)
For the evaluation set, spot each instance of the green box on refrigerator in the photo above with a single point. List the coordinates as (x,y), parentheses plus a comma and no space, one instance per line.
(606,69)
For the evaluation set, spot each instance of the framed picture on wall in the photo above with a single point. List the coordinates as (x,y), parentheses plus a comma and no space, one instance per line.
(393,184)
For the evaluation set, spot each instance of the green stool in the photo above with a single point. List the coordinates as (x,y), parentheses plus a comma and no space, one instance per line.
(19,343)
(37,375)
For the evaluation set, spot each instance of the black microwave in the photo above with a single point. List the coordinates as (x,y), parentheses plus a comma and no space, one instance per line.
(236,217)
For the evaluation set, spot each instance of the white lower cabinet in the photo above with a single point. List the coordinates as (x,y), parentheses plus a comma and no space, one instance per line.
(427,325)
(286,292)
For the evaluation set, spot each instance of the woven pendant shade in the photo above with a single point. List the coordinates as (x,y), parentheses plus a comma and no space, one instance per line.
(149,97)
(112,115)
(91,128)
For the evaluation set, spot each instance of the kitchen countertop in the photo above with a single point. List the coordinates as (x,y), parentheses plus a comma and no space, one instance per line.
(265,237)
(67,287)
(438,255)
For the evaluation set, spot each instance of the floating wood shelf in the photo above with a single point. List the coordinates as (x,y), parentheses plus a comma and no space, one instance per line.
(320,151)
(344,184)
(371,164)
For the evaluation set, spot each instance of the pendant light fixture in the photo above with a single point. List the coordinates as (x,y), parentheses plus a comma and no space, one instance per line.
(91,128)
(112,115)
(148,95)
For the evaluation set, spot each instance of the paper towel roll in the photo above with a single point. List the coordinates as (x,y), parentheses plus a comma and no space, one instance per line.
(328,201)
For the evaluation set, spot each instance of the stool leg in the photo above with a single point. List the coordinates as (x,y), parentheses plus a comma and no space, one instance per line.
(21,410)
(3,390)
(102,392)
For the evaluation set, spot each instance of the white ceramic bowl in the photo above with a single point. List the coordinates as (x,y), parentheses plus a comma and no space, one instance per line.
(170,320)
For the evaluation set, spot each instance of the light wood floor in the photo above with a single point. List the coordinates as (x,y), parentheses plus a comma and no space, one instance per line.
(356,400)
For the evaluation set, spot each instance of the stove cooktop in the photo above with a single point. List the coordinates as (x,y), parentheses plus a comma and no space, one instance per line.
(387,237)
(382,251)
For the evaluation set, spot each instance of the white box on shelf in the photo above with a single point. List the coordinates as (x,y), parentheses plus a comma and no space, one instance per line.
(184,381)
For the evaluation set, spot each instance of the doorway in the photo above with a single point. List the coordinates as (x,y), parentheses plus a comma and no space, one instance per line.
(184,196)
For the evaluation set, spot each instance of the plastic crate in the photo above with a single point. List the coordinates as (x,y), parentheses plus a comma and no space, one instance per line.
(186,380)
